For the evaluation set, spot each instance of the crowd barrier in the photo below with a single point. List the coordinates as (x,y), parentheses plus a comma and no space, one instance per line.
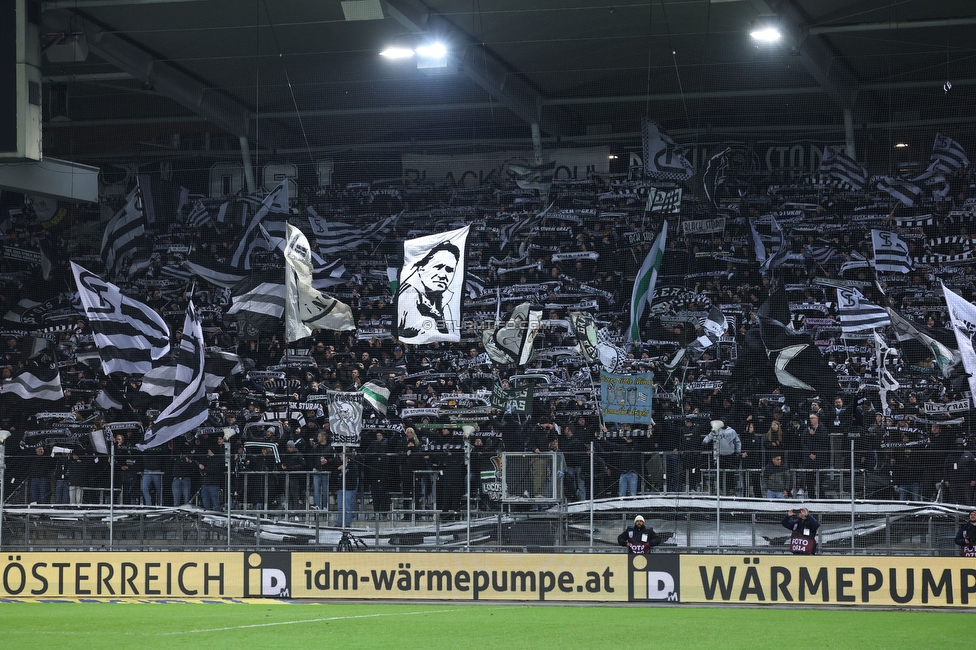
(568,577)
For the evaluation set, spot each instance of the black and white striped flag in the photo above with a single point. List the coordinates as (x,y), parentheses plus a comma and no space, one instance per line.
(778,258)
(40,381)
(819,254)
(258,303)
(125,237)
(901,189)
(890,252)
(199,215)
(219,365)
(857,313)
(522,225)
(842,167)
(129,334)
(333,237)
(948,155)
(188,410)
(254,237)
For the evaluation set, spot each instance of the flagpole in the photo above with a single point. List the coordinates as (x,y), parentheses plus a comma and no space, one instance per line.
(111,496)
(345,471)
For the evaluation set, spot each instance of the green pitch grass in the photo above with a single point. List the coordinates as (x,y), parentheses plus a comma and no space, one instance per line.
(257,625)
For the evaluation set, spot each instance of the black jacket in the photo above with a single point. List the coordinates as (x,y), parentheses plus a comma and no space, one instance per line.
(966,535)
(639,540)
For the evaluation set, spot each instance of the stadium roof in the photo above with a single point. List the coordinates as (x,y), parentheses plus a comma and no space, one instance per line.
(297,76)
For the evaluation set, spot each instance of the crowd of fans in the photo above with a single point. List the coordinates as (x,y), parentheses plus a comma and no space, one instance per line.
(912,448)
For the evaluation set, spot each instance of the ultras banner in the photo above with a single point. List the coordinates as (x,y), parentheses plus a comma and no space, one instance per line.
(428,299)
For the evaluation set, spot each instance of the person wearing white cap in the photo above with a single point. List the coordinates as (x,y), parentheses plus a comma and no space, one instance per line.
(726,444)
(639,538)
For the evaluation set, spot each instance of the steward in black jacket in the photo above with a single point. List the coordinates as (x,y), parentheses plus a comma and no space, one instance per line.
(638,538)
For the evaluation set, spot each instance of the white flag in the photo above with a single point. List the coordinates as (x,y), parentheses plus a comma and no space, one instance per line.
(963,317)
(307,309)
(890,252)
(428,299)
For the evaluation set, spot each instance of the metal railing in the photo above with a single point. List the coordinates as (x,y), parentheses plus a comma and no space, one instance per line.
(703,504)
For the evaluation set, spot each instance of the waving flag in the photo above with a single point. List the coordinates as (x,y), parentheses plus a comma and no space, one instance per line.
(948,155)
(38,381)
(890,252)
(188,410)
(857,313)
(899,188)
(906,330)
(126,237)
(334,236)
(644,284)
(962,314)
(306,309)
(842,167)
(129,334)
(253,237)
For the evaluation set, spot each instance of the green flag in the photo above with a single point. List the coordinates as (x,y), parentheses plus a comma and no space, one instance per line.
(644,283)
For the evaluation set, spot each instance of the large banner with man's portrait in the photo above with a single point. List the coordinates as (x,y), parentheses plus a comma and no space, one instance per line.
(428,298)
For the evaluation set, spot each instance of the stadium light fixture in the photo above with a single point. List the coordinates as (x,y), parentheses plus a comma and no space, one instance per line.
(766,35)
(395,52)
(435,50)
(901,145)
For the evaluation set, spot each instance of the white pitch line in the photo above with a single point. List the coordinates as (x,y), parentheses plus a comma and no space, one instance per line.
(309,620)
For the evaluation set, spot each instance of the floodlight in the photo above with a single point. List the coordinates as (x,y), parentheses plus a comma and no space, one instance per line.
(766,35)
(434,50)
(397,52)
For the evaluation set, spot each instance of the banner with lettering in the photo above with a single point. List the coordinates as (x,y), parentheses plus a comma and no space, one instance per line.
(626,398)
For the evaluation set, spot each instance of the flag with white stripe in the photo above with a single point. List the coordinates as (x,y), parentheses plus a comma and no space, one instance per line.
(962,314)
(376,395)
(757,243)
(886,381)
(188,410)
(219,365)
(40,381)
(842,167)
(782,254)
(643,291)
(819,254)
(253,237)
(125,237)
(948,155)
(258,303)
(129,334)
(899,188)
(199,215)
(906,330)
(890,252)
(306,309)
(522,225)
(858,313)
(335,236)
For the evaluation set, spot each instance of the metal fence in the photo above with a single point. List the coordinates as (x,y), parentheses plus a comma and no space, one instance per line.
(696,501)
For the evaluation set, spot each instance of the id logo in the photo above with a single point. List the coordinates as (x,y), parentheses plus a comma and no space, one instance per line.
(654,577)
(267,575)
